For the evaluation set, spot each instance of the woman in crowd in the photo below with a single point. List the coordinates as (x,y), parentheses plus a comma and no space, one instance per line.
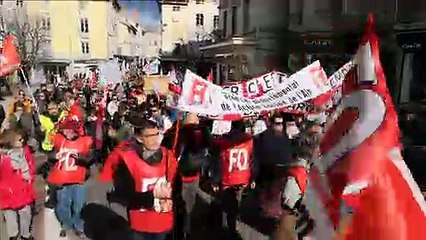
(17,176)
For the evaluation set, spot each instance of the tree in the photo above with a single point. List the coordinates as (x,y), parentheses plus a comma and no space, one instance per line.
(31,35)
(116,5)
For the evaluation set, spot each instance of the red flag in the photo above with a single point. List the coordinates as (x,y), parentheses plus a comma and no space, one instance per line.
(362,163)
(9,58)
(174,82)
(75,111)
(210,76)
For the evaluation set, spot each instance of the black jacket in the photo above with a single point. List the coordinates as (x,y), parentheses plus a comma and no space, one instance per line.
(2,115)
(272,148)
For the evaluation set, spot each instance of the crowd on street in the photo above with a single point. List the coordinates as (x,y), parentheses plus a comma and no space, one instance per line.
(156,159)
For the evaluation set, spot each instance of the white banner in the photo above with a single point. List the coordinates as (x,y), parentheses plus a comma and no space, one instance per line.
(203,97)
(221,127)
(258,86)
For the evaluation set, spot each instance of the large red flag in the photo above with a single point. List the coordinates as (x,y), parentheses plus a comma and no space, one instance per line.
(9,58)
(361,167)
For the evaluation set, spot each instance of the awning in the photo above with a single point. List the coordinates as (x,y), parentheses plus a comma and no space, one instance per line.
(235,41)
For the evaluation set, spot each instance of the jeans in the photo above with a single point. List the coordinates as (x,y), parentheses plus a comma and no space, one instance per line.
(149,236)
(189,194)
(70,201)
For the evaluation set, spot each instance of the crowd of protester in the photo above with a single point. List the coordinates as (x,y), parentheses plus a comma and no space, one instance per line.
(154,158)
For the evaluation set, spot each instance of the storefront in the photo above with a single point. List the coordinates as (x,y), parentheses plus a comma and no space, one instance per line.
(332,49)
(411,101)
(234,59)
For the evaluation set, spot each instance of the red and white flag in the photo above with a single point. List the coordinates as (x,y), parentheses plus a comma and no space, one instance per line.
(210,76)
(9,57)
(361,167)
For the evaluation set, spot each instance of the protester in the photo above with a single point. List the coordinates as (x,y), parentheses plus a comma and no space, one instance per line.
(143,176)
(17,177)
(235,169)
(70,172)
(193,152)
(273,149)
(2,115)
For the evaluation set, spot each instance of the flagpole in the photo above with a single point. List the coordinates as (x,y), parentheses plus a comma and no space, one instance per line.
(29,88)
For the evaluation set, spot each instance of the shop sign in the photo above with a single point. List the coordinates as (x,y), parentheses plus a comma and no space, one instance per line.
(411,46)
(319,42)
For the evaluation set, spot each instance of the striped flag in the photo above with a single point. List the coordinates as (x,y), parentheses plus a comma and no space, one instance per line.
(361,188)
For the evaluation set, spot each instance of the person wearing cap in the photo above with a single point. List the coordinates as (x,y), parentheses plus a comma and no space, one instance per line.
(72,158)
(143,174)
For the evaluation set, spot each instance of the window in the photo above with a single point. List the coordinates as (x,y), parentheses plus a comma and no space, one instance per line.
(199,1)
(45,23)
(199,19)
(216,21)
(84,24)
(225,23)
(85,47)
(176,8)
(234,20)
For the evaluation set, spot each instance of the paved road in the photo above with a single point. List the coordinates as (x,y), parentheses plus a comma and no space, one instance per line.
(47,228)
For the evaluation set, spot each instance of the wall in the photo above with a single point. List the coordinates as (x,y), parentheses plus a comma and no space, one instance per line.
(179,27)
(97,14)
(151,43)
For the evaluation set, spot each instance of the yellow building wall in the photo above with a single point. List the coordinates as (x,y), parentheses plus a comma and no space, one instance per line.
(97,14)
(65,33)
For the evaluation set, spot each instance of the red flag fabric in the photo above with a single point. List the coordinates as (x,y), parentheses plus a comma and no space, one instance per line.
(210,76)
(75,111)
(362,162)
(9,58)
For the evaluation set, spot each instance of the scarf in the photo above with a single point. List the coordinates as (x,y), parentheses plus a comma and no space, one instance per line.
(19,162)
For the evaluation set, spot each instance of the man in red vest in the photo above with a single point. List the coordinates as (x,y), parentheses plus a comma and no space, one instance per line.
(235,169)
(70,172)
(143,174)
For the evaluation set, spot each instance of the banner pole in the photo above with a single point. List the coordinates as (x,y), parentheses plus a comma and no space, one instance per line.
(29,88)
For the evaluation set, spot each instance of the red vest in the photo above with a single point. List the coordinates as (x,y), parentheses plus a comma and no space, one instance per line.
(236,162)
(145,175)
(65,170)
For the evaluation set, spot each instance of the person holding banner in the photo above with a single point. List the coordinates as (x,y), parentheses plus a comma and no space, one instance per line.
(235,169)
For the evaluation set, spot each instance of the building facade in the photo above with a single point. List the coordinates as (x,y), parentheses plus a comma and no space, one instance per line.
(77,34)
(186,21)
(246,43)
(151,43)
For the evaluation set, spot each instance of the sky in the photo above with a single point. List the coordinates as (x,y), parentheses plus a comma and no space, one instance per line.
(148,11)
